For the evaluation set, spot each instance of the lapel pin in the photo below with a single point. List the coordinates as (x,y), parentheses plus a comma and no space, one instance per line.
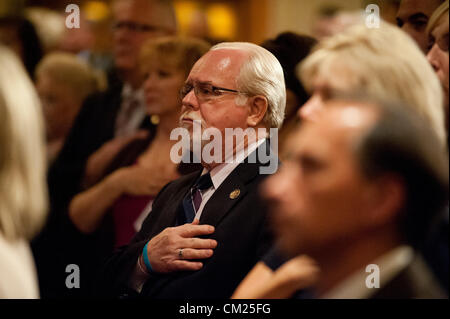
(235,194)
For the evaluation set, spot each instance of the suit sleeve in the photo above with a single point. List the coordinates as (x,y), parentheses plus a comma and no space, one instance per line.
(115,275)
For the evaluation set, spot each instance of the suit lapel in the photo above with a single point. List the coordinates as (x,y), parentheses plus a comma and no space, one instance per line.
(233,189)
(221,202)
(172,205)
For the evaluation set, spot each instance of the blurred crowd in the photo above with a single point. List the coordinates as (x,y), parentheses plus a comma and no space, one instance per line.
(358,207)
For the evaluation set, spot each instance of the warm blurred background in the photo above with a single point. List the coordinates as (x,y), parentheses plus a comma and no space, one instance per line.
(242,20)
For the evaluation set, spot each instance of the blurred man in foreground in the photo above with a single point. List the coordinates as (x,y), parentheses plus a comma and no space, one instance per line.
(362,187)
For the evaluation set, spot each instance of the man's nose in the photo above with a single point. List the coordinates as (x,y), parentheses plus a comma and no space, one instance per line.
(274,187)
(190,100)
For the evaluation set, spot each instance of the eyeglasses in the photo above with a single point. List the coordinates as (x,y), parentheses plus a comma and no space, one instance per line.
(136,27)
(205,91)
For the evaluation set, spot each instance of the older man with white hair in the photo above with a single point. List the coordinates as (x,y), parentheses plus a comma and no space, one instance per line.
(208,229)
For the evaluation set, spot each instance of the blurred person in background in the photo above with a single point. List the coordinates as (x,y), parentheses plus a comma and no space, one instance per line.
(23,195)
(106,123)
(413,17)
(359,59)
(63,81)
(436,249)
(388,9)
(362,187)
(290,49)
(93,40)
(109,120)
(107,215)
(19,34)
(333,20)
(438,30)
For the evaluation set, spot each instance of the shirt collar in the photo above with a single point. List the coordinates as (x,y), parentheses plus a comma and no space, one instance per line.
(221,172)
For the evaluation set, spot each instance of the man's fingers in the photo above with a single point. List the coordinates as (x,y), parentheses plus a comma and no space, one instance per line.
(199,243)
(304,260)
(189,230)
(183,265)
(189,253)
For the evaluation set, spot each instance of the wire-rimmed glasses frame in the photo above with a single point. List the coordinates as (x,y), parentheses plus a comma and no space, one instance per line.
(206,91)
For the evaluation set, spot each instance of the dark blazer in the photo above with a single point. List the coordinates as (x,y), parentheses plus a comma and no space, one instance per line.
(241,230)
(414,282)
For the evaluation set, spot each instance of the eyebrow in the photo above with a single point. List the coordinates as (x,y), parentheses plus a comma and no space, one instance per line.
(199,82)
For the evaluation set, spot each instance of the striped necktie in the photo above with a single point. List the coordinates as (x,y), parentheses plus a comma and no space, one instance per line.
(193,200)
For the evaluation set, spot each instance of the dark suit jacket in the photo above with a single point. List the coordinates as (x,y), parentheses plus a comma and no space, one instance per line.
(414,282)
(241,230)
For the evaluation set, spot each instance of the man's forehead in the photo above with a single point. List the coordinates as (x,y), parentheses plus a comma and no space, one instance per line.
(220,64)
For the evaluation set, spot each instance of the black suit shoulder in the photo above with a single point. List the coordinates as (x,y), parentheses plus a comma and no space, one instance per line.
(414,282)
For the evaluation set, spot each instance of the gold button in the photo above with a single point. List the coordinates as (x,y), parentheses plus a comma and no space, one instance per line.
(235,194)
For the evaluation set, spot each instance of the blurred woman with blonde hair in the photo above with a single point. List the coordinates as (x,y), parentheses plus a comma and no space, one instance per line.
(23,195)
(438,31)
(63,81)
(381,61)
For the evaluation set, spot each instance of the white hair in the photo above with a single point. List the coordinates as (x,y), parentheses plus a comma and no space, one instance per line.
(23,188)
(261,74)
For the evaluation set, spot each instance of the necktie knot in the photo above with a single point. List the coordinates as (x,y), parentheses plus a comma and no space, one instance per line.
(204,182)
(192,201)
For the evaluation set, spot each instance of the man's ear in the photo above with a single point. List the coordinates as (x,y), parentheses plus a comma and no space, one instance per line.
(388,197)
(257,109)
